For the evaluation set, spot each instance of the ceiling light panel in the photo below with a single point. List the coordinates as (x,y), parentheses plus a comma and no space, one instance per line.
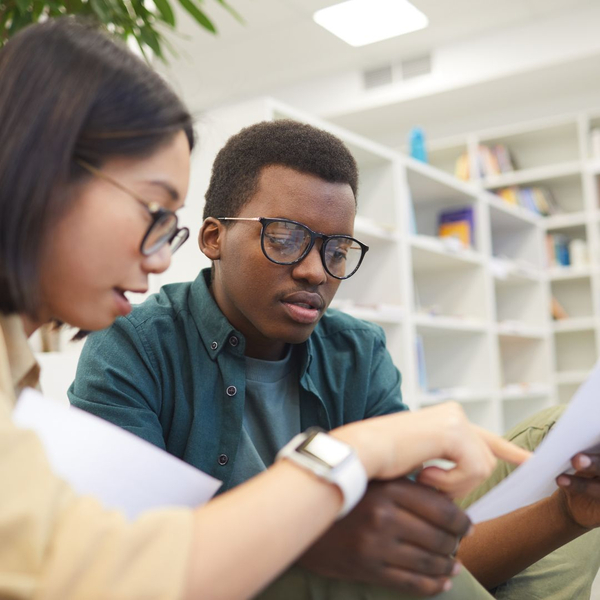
(362,22)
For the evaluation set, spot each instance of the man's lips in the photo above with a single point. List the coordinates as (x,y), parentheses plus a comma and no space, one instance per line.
(303,307)
(305,299)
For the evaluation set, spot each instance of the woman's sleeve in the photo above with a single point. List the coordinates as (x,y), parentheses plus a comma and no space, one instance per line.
(56,545)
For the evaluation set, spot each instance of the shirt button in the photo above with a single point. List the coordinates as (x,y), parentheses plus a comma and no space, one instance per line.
(214,345)
(234,341)
(231,390)
(223,459)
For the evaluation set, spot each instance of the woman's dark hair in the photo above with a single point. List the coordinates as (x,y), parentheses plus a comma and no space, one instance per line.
(67,91)
(238,165)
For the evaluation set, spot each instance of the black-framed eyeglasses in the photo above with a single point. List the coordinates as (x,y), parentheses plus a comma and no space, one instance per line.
(286,242)
(164,227)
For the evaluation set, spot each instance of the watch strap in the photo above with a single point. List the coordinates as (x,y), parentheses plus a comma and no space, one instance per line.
(349,476)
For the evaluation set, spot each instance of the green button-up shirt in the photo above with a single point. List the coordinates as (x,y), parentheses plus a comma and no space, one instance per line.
(173,372)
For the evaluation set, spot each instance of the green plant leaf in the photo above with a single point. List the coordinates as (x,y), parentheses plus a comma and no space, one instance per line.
(149,37)
(166,11)
(23,6)
(125,18)
(19,21)
(200,17)
(101,10)
(8,13)
(38,9)
(234,13)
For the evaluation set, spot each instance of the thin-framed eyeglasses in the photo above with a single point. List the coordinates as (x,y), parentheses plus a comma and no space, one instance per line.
(286,242)
(164,226)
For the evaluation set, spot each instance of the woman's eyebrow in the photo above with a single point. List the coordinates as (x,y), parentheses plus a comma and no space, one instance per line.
(168,187)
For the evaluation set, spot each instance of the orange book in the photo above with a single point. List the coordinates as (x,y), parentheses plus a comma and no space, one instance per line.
(457,229)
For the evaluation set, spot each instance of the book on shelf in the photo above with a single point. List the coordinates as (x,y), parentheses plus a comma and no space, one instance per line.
(457,223)
(494,160)
(563,251)
(536,199)
(557,310)
(421,368)
(461,168)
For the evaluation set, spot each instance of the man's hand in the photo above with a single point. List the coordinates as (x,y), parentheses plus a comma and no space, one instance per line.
(401,535)
(579,494)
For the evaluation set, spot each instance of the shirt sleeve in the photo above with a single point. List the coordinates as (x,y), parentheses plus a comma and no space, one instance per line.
(55,545)
(384,394)
(118,380)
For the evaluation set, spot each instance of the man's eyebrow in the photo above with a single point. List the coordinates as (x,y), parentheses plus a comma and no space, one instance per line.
(168,187)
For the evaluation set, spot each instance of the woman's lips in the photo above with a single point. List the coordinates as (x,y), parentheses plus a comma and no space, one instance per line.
(123,305)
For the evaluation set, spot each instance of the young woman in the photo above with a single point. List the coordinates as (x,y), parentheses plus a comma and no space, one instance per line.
(94,163)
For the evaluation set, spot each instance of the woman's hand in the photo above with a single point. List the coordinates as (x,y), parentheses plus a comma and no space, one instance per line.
(395,445)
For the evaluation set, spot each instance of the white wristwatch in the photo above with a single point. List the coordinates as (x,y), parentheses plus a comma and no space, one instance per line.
(332,460)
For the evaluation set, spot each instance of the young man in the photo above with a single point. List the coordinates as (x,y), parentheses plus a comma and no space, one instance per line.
(223,371)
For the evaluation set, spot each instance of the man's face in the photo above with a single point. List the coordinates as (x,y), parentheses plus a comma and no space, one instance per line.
(273,305)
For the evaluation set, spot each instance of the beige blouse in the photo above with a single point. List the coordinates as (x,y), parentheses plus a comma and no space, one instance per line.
(56,545)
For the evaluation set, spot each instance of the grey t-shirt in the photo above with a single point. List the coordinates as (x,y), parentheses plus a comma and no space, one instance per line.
(271,414)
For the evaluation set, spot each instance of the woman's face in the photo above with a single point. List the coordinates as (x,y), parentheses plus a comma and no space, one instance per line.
(93,254)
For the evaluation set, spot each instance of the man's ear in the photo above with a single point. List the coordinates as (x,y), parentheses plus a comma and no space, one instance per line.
(210,238)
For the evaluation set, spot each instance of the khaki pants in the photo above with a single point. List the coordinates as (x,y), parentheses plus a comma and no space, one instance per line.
(565,574)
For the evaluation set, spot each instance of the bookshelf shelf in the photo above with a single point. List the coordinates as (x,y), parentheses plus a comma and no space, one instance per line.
(429,252)
(369,231)
(575,324)
(516,330)
(534,175)
(382,314)
(508,272)
(562,221)
(445,325)
(567,273)
(458,395)
(518,212)
(571,377)
(525,392)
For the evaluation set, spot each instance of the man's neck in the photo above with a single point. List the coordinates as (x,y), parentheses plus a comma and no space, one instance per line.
(267,353)
(263,349)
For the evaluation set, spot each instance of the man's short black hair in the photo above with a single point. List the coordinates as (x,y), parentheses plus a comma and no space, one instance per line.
(238,165)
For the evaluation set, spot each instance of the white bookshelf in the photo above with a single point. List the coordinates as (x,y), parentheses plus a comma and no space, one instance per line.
(562,155)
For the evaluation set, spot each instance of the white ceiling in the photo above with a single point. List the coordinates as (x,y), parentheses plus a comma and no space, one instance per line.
(280,45)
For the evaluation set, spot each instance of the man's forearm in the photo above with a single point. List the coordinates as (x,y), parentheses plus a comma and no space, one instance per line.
(503,547)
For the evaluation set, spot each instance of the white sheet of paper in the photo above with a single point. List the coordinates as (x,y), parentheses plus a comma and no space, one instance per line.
(577,430)
(100,459)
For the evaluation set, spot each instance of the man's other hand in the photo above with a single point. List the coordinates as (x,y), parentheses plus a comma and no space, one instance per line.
(579,493)
(401,535)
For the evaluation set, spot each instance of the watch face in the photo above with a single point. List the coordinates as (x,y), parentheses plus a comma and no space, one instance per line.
(325,449)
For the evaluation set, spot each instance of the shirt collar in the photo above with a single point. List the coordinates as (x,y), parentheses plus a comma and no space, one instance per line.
(217,332)
(18,367)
